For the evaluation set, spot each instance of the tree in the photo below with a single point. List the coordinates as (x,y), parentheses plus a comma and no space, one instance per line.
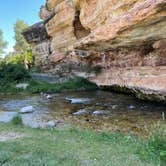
(23,51)
(21,45)
(3,43)
(14,58)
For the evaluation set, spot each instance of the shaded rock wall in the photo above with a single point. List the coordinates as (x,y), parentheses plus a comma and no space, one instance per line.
(126,38)
(37,36)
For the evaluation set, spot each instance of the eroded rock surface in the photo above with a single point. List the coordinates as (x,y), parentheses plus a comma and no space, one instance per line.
(125,38)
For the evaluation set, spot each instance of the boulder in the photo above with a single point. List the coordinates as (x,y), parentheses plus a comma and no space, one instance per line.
(51,124)
(28,109)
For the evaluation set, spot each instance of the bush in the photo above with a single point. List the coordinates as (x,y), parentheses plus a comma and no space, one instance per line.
(13,73)
(17,120)
(15,58)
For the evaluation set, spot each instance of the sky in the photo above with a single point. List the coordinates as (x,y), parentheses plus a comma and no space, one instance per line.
(11,10)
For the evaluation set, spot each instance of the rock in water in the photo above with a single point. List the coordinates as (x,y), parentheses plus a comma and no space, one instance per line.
(28,109)
(49,97)
(51,124)
(131,107)
(81,112)
(78,100)
(100,112)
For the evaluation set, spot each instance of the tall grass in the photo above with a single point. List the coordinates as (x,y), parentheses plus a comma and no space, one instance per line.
(154,148)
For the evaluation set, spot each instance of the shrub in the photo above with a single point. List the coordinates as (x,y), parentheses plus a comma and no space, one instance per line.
(17,120)
(13,73)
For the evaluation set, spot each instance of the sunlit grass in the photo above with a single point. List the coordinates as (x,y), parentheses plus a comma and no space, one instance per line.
(74,147)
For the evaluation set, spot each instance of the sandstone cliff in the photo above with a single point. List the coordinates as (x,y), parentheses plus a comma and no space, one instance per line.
(126,38)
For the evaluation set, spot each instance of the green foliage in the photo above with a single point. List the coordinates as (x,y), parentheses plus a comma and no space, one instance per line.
(26,58)
(17,58)
(72,84)
(17,120)
(23,52)
(3,43)
(154,148)
(29,58)
(12,73)
(21,45)
(157,144)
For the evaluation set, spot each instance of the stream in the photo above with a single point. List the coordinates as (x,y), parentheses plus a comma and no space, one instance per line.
(98,110)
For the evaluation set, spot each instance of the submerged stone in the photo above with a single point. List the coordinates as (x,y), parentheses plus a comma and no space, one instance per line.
(28,109)
(81,112)
(114,106)
(78,100)
(100,112)
(49,97)
(131,107)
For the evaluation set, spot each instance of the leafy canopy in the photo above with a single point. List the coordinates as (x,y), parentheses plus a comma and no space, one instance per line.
(21,45)
(3,43)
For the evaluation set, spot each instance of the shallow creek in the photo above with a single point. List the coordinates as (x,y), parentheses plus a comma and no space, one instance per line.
(98,110)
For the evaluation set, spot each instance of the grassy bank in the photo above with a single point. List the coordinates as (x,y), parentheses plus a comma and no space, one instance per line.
(41,86)
(76,147)
(12,74)
(76,83)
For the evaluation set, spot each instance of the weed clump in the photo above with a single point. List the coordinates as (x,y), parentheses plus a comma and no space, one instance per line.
(17,120)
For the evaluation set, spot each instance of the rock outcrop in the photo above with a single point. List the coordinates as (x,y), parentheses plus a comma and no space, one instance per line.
(37,36)
(125,38)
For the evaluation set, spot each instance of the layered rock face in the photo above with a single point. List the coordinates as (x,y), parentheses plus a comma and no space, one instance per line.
(126,38)
(37,36)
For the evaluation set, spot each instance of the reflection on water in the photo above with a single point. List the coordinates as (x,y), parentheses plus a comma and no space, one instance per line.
(97,110)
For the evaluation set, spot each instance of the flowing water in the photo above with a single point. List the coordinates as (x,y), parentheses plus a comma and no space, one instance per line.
(98,110)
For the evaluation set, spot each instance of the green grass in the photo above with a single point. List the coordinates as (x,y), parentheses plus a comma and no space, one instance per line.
(154,147)
(72,84)
(72,147)
(40,86)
